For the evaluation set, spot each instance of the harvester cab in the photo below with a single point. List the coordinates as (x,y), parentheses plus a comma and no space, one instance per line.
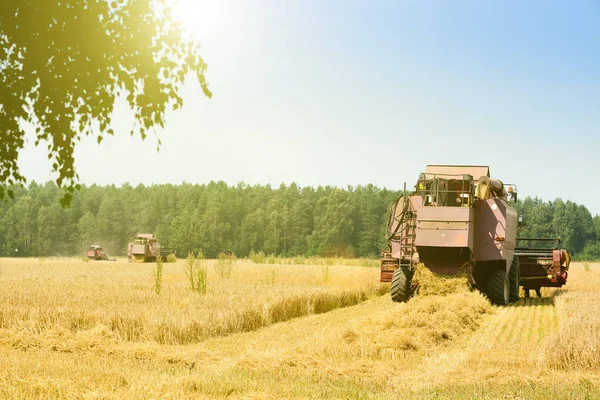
(457,221)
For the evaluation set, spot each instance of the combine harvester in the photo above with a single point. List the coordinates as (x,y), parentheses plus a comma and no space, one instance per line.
(95,252)
(146,248)
(460,221)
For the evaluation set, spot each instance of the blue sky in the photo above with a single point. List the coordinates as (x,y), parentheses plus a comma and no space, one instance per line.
(357,92)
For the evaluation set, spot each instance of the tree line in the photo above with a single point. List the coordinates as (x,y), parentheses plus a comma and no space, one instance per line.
(288,220)
(573,223)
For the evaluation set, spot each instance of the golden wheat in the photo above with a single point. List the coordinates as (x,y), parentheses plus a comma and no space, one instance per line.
(576,344)
(71,295)
(434,346)
(432,284)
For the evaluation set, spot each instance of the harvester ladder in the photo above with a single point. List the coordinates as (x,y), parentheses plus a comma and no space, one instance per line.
(406,236)
(407,244)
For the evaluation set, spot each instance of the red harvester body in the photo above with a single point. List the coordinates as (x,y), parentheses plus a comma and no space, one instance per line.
(95,252)
(146,248)
(459,220)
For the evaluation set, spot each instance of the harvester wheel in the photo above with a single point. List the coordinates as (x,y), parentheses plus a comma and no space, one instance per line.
(498,287)
(514,276)
(401,288)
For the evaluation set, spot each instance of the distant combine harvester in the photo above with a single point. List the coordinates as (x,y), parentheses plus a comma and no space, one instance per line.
(97,253)
(146,248)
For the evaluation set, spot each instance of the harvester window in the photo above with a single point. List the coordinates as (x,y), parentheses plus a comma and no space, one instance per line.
(446,191)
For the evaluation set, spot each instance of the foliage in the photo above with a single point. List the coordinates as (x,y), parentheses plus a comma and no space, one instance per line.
(201,276)
(212,217)
(190,270)
(570,221)
(591,252)
(63,64)
(283,225)
(196,272)
(257,257)
(224,265)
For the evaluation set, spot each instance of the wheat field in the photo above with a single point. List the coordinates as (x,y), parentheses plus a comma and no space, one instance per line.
(70,329)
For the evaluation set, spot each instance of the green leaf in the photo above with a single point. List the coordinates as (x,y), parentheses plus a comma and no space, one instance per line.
(78,64)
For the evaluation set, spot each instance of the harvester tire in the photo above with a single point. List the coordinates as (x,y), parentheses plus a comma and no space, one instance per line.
(401,288)
(514,276)
(498,287)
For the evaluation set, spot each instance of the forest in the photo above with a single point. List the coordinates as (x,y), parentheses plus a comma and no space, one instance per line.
(288,220)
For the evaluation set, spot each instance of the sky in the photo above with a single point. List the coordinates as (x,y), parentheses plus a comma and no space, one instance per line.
(356,92)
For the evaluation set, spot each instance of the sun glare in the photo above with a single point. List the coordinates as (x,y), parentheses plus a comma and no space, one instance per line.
(204,18)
